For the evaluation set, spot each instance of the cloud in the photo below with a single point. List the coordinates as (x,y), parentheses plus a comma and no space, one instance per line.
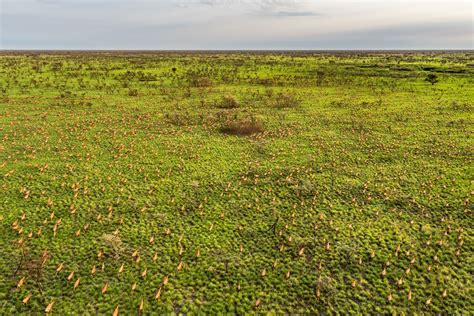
(435,35)
(287,8)
(297,13)
(276,8)
(231,24)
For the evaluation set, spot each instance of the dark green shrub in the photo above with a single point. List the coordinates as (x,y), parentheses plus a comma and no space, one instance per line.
(432,78)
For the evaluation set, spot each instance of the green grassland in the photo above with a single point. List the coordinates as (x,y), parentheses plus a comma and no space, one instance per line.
(236,183)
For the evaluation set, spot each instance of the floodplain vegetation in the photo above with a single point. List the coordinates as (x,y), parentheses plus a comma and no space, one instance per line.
(241,183)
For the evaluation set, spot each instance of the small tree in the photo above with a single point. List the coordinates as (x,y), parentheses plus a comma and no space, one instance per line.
(432,78)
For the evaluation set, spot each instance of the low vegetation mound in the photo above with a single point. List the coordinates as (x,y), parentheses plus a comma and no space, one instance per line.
(228,102)
(200,82)
(242,127)
(286,100)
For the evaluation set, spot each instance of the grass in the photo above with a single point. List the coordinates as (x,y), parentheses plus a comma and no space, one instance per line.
(236,183)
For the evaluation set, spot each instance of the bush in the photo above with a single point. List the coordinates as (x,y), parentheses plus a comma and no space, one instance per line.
(286,100)
(432,78)
(228,102)
(242,127)
(265,81)
(200,82)
(179,119)
(132,92)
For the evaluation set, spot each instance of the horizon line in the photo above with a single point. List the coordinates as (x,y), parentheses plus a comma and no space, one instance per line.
(243,50)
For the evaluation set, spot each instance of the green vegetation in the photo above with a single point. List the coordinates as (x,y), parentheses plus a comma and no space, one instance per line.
(236,183)
(432,78)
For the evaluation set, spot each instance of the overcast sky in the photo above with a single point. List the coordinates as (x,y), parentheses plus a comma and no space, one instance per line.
(232,24)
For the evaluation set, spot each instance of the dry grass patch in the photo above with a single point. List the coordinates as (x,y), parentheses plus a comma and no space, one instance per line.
(244,127)
(228,102)
(286,100)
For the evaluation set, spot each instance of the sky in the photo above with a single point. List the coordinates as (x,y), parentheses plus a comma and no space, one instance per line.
(234,24)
